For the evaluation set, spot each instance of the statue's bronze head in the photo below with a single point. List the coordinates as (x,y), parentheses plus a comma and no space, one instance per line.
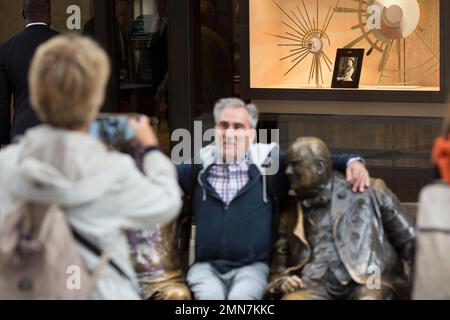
(309,167)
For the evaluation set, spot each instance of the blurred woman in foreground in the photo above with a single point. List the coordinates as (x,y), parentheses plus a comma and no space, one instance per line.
(101,191)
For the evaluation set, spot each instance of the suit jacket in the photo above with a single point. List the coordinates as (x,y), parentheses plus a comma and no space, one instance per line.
(370,233)
(15,59)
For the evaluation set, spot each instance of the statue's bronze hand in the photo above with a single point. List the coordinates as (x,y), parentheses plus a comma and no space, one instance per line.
(291,284)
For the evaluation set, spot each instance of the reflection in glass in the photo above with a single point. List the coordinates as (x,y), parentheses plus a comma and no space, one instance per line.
(141,62)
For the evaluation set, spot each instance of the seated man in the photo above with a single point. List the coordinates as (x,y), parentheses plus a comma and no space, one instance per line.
(338,244)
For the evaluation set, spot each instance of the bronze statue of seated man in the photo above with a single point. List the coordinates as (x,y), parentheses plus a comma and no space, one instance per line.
(336,244)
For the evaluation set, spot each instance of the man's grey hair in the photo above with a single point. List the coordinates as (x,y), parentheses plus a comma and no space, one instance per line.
(223,104)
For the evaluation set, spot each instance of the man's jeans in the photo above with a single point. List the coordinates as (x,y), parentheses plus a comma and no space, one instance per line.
(245,283)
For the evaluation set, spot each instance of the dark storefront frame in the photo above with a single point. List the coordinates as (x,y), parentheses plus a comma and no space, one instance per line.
(104,31)
(181,33)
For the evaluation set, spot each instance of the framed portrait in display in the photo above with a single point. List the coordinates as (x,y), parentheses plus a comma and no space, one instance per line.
(347,68)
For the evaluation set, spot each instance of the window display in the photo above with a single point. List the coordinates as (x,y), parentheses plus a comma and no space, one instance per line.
(292,44)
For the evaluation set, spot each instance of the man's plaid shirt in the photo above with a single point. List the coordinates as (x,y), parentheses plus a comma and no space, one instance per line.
(229,179)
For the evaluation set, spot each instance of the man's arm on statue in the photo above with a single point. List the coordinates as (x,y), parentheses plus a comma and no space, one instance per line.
(341,161)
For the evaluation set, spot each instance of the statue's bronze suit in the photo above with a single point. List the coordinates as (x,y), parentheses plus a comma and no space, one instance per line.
(336,244)
(154,254)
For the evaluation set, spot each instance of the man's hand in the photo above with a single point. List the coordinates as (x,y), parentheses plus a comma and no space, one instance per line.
(358,176)
(292,284)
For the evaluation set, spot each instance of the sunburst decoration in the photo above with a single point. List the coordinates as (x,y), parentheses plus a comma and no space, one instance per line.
(401,20)
(307,38)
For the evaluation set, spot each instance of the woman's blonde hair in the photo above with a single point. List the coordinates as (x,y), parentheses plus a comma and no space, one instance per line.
(67,78)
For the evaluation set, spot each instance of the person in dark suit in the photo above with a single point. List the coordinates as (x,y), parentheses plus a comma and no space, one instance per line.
(15,58)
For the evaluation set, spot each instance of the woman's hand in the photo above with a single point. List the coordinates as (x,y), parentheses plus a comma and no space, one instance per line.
(144,134)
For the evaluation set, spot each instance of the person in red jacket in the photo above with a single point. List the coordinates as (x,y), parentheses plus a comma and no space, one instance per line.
(441,154)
